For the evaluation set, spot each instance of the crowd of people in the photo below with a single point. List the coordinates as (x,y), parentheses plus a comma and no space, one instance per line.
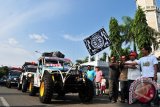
(123,72)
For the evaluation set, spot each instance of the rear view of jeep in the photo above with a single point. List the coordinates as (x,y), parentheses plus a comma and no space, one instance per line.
(28,70)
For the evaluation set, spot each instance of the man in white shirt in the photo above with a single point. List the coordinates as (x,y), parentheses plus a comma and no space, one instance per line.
(148,63)
(133,71)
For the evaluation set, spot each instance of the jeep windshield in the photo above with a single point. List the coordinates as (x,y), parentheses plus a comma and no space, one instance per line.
(57,63)
(15,73)
(31,68)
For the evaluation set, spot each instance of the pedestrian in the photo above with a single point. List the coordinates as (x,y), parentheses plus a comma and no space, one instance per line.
(98,80)
(133,71)
(113,79)
(123,80)
(149,65)
(103,85)
(91,74)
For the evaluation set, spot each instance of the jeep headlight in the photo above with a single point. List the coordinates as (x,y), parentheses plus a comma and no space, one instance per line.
(50,71)
(29,75)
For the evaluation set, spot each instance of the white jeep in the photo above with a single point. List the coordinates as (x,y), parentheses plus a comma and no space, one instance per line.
(55,75)
(28,71)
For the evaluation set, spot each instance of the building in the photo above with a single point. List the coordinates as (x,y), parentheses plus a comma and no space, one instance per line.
(152,15)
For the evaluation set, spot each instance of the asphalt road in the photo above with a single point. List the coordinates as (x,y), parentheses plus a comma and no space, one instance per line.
(13,97)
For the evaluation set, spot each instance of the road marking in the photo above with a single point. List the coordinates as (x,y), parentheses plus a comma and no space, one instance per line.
(4,102)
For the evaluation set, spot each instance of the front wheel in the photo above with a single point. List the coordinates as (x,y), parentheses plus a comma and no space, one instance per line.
(86,92)
(46,89)
(32,88)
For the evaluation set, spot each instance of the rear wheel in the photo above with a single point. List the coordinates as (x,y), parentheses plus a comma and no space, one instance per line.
(8,85)
(86,92)
(46,89)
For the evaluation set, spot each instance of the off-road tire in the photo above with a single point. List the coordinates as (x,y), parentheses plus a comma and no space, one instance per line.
(33,89)
(24,85)
(8,85)
(46,89)
(86,92)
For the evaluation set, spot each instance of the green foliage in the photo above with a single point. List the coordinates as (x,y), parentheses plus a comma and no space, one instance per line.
(126,31)
(115,37)
(125,52)
(93,58)
(103,58)
(3,71)
(143,34)
(78,61)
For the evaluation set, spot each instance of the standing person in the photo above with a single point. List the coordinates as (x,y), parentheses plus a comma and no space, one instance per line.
(123,80)
(103,85)
(133,71)
(91,74)
(113,79)
(98,80)
(148,63)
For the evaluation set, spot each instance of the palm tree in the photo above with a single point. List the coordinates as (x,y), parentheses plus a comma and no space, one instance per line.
(126,31)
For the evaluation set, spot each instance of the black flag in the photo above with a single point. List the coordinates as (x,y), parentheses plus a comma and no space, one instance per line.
(97,42)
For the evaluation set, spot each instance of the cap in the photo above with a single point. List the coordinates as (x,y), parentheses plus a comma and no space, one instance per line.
(133,54)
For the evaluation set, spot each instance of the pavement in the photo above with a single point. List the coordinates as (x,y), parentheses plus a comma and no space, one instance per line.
(11,97)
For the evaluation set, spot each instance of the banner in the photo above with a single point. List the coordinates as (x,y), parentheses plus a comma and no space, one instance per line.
(97,42)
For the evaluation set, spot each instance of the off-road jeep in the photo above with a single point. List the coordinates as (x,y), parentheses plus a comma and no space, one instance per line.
(12,77)
(55,75)
(28,70)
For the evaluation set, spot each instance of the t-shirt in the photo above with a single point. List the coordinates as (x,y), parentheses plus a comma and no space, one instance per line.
(103,82)
(133,74)
(147,65)
(91,74)
(114,72)
(98,76)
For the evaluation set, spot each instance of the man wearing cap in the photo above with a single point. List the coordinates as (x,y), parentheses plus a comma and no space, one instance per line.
(133,71)
(113,79)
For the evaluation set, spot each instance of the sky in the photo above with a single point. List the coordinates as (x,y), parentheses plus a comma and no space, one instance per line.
(27,26)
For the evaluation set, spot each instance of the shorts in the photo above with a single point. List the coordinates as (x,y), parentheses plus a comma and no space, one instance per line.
(103,87)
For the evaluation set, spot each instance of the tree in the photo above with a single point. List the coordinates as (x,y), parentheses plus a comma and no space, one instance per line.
(3,71)
(142,33)
(93,58)
(127,32)
(115,37)
(103,58)
(79,61)
(85,59)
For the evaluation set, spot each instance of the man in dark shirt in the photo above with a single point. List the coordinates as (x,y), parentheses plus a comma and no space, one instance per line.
(113,79)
